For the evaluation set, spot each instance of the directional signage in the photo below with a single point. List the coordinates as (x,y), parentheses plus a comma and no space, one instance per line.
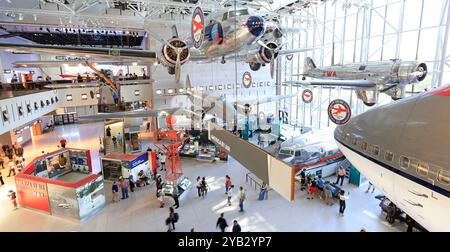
(197,25)
(339,111)
(247,79)
(307,96)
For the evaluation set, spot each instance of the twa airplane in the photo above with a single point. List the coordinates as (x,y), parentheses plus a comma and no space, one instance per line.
(369,79)
(403,149)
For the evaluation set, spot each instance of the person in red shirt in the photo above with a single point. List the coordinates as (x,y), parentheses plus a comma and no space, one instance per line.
(63,143)
(227,183)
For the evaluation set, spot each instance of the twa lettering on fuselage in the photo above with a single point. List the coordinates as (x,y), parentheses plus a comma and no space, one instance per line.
(329,73)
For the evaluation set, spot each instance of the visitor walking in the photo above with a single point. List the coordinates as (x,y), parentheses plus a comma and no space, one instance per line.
(12,168)
(163,161)
(175,197)
(236,227)
(160,195)
(108,131)
(199,186)
(148,127)
(115,191)
(12,196)
(342,199)
(172,219)
(204,187)
(327,189)
(119,138)
(242,197)
(221,223)
(227,183)
(370,186)
(114,139)
(230,195)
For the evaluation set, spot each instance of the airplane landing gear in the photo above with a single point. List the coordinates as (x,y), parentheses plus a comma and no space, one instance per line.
(254,66)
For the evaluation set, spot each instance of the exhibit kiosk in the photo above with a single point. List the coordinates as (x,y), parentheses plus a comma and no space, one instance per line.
(61,183)
(115,165)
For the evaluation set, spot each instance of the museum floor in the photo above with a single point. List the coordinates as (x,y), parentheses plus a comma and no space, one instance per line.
(141,211)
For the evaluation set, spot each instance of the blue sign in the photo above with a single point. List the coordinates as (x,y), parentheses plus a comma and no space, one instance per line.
(139,160)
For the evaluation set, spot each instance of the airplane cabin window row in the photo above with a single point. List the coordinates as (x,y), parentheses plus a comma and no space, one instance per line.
(421,168)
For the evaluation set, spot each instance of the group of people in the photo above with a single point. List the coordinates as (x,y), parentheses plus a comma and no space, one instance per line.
(202,187)
(114,139)
(127,183)
(131,76)
(160,194)
(222,224)
(16,161)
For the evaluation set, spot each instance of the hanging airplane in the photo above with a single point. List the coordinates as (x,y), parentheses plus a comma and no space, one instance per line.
(368,79)
(236,33)
(402,148)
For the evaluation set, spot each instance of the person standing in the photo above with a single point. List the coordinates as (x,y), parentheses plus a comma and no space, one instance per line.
(12,168)
(242,197)
(263,191)
(160,195)
(124,186)
(204,186)
(199,186)
(230,195)
(410,222)
(302,180)
(131,182)
(341,175)
(370,185)
(63,143)
(312,188)
(119,138)
(221,223)
(108,131)
(227,183)
(148,127)
(115,191)
(163,161)
(2,163)
(236,227)
(158,183)
(175,197)
(172,219)
(12,196)
(342,199)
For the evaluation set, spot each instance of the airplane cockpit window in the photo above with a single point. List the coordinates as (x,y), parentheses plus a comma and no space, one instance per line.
(354,141)
(362,68)
(404,162)
(389,156)
(444,177)
(422,169)
(298,153)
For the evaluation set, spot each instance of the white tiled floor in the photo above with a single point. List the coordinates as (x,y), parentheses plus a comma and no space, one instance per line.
(141,211)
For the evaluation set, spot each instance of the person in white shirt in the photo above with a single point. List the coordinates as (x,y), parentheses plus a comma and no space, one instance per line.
(342,199)
(163,161)
(230,194)
(12,167)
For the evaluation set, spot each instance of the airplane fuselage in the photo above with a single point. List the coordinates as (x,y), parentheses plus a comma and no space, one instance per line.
(402,148)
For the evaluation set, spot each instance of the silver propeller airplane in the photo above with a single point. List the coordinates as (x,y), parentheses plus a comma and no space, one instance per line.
(235,31)
(369,79)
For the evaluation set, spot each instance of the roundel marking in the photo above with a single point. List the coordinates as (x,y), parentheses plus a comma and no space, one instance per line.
(197,27)
(307,96)
(247,79)
(339,111)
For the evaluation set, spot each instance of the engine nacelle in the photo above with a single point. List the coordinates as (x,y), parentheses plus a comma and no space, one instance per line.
(169,54)
(369,97)
(263,55)
(409,72)
(396,92)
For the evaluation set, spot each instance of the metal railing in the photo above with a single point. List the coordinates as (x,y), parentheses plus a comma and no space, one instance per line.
(256,184)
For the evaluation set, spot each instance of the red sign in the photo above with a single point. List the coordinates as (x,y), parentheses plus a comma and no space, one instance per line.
(32,194)
(329,73)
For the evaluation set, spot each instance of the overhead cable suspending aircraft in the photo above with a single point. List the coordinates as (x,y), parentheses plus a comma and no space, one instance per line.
(369,79)
(236,33)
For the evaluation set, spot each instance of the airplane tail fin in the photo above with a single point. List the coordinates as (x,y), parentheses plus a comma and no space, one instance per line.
(309,65)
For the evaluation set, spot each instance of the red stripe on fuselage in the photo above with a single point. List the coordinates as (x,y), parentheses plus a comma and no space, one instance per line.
(322,160)
(444,91)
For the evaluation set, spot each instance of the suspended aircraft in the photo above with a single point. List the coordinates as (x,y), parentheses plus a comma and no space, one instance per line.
(234,33)
(369,79)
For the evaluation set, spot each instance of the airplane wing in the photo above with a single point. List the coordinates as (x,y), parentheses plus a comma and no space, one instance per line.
(266,99)
(127,114)
(337,83)
(145,55)
(57,63)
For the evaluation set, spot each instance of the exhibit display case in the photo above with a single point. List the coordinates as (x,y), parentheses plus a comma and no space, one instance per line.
(115,165)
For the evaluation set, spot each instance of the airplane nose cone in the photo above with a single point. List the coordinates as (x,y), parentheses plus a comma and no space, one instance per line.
(255,25)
